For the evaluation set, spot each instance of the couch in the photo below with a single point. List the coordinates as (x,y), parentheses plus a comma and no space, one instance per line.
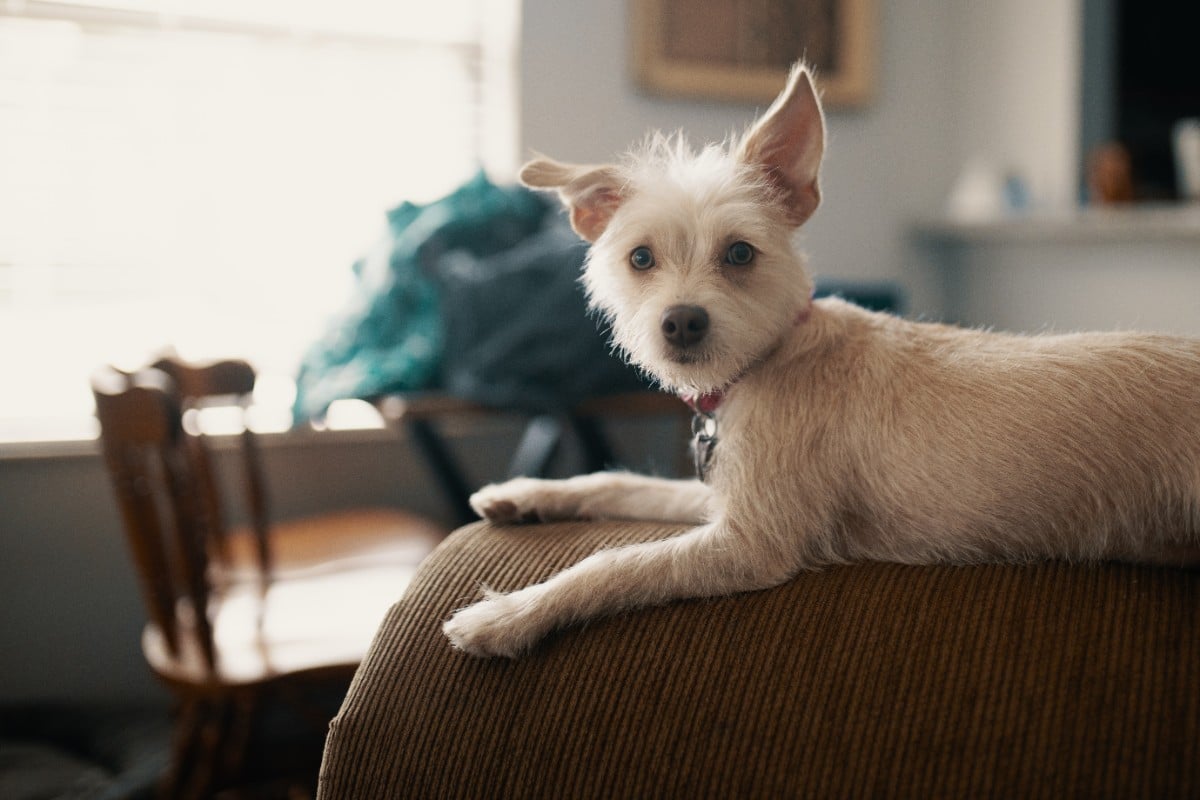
(875,680)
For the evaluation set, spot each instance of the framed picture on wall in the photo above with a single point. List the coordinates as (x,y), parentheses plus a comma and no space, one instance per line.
(741,49)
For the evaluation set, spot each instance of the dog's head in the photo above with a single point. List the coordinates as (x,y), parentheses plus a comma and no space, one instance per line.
(692,259)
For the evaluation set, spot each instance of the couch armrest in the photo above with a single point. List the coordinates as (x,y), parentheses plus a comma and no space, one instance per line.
(1041,680)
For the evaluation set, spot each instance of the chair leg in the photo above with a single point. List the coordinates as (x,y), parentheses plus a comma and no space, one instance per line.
(185,737)
(244,711)
(209,761)
(213,738)
(201,732)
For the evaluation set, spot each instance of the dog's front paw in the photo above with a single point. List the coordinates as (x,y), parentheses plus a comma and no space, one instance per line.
(500,625)
(519,500)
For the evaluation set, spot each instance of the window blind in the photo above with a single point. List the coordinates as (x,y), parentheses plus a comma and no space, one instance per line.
(204,181)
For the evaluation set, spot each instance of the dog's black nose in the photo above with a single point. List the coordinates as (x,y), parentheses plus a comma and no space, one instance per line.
(684,325)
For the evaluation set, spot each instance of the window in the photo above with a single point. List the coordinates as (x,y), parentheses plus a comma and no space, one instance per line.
(204,180)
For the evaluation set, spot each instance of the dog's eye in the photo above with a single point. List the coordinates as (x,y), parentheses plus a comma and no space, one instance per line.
(739,254)
(641,258)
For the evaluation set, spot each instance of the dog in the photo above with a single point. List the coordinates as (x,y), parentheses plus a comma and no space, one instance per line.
(830,434)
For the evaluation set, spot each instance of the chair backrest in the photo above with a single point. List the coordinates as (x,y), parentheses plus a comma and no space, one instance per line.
(229,383)
(152,463)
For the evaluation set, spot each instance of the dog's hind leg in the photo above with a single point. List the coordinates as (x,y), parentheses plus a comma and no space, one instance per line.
(703,562)
(602,495)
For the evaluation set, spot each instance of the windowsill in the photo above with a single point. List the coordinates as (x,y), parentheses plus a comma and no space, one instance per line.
(453,427)
(297,437)
(1137,224)
(68,436)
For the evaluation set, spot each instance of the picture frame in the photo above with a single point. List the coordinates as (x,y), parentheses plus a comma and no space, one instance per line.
(740,50)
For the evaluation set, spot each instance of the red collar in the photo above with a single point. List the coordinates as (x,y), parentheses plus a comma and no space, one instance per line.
(709,402)
(705,403)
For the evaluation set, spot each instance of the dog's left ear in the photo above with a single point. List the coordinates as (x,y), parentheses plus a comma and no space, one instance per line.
(788,142)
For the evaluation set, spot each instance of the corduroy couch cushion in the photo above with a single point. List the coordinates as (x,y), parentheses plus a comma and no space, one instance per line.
(1047,680)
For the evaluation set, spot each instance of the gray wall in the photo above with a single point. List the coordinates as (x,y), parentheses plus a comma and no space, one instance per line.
(70,612)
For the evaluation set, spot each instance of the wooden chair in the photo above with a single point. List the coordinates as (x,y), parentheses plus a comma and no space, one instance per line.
(238,619)
(276,549)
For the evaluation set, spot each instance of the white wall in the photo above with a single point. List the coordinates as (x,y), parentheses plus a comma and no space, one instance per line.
(886,164)
(1018,91)
(955,81)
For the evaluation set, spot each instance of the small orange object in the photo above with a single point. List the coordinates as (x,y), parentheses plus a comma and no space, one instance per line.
(1109,175)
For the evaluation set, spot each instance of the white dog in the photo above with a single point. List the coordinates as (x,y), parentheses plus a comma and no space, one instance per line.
(834,434)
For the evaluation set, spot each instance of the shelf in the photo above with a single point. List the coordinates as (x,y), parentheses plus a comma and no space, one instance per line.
(1139,224)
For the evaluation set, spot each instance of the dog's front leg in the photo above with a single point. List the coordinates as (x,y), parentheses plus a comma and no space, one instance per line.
(602,495)
(708,561)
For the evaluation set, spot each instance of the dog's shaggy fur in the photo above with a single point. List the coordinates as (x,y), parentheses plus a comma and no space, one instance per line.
(845,435)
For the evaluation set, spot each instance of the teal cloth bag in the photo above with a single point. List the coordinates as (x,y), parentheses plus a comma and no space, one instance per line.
(391,336)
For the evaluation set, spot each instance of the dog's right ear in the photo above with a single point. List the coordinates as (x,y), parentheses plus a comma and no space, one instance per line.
(591,193)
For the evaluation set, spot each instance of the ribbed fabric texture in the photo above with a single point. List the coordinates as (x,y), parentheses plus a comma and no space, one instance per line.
(876,680)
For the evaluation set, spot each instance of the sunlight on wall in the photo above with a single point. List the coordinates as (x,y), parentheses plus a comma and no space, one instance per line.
(207,187)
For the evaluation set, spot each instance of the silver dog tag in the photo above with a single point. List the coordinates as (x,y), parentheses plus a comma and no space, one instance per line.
(704,442)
